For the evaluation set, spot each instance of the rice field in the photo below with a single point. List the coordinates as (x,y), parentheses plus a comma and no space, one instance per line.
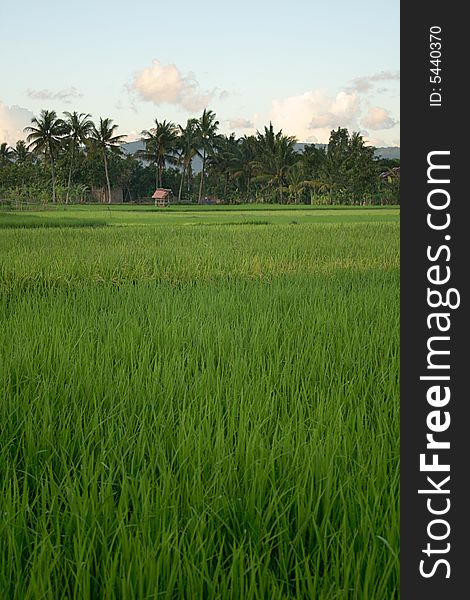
(199,403)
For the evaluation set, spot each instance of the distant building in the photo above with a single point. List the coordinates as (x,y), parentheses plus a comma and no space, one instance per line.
(162,196)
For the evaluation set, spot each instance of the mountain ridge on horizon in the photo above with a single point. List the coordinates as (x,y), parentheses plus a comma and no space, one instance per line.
(386,152)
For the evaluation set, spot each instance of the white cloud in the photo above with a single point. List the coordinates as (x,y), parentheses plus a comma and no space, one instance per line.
(13,119)
(377,142)
(240,123)
(164,84)
(65,95)
(312,115)
(373,141)
(366,83)
(133,136)
(378,118)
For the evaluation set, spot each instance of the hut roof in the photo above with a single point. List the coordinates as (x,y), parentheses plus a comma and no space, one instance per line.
(392,173)
(161,194)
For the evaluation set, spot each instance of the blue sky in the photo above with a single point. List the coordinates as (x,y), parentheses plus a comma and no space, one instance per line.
(307,66)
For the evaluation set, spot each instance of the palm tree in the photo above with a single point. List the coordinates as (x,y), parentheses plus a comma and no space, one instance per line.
(79,128)
(104,138)
(21,152)
(187,150)
(207,131)
(160,146)
(45,137)
(223,159)
(319,186)
(276,155)
(6,154)
(296,182)
(243,165)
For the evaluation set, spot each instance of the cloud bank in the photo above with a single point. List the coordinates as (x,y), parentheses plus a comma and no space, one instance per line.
(165,84)
(312,115)
(13,119)
(378,118)
(240,123)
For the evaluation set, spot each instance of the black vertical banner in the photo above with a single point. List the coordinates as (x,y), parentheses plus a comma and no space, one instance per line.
(435,239)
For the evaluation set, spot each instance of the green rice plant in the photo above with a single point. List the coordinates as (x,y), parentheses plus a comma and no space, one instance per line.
(199,411)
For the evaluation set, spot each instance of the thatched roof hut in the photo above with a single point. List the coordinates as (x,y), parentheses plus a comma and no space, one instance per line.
(162,196)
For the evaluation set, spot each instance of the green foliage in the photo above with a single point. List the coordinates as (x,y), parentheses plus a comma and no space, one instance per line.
(6,154)
(262,168)
(276,157)
(349,169)
(206,132)
(104,138)
(187,149)
(79,128)
(45,138)
(21,153)
(160,147)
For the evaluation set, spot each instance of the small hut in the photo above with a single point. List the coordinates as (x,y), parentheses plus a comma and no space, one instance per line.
(390,175)
(162,196)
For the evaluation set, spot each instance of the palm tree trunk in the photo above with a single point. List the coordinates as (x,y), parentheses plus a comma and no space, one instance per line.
(181,185)
(202,174)
(160,174)
(70,176)
(108,183)
(53,181)
(52,174)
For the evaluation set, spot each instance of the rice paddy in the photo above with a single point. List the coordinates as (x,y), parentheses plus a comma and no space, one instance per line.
(199,403)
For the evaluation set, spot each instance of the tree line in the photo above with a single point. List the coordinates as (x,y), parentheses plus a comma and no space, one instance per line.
(64,158)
